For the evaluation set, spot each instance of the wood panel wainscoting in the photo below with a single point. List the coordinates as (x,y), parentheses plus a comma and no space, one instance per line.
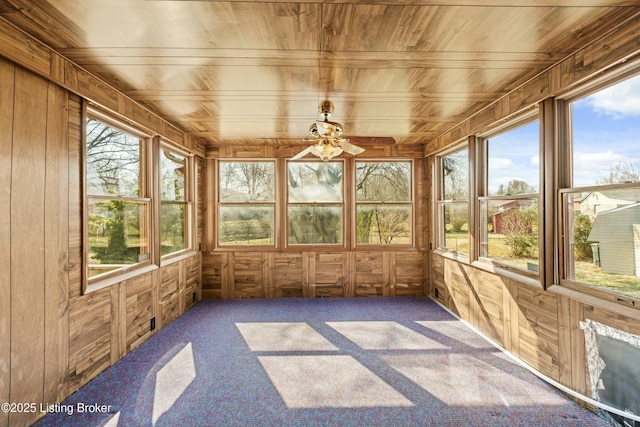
(55,338)
(541,328)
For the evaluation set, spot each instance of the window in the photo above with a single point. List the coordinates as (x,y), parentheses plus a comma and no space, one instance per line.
(601,203)
(510,203)
(315,203)
(246,195)
(383,203)
(175,206)
(118,205)
(453,201)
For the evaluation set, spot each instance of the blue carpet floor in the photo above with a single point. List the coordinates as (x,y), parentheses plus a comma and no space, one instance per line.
(317,362)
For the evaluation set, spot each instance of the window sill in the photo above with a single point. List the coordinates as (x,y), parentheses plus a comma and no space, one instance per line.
(513,274)
(112,280)
(179,256)
(459,257)
(606,304)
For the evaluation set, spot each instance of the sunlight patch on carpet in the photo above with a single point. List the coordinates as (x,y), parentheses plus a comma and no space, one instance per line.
(283,336)
(172,380)
(334,381)
(464,380)
(376,335)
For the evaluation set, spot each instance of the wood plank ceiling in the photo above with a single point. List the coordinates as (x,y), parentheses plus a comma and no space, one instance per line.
(234,72)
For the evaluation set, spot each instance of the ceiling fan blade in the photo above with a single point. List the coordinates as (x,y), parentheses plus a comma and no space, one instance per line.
(350,148)
(302,153)
(372,140)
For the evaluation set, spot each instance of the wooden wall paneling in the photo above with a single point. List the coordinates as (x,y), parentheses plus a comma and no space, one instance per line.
(458,283)
(388,274)
(24,50)
(350,275)
(369,273)
(89,337)
(228,275)
(247,275)
(57,68)
(579,374)
(118,321)
(511,312)
(538,330)
(438,285)
(156,307)
(56,236)
(192,281)
(308,275)
(209,208)
(488,301)
(200,195)
(27,242)
(406,273)
(7,78)
(75,189)
(328,274)
(139,310)
(564,340)
(288,274)
(211,275)
(182,284)
(269,273)
(169,294)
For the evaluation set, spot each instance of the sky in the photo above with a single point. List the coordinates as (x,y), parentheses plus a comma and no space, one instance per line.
(606,131)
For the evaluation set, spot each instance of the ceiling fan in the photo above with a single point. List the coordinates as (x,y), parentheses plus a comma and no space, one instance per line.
(330,142)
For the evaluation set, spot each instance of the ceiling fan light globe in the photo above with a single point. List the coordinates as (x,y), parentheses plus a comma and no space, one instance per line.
(326,151)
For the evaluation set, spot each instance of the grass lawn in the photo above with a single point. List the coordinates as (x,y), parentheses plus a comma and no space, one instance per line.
(591,274)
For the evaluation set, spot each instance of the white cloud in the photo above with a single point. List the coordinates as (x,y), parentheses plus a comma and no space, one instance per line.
(535,161)
(618,100)
(589,167)
(499,163)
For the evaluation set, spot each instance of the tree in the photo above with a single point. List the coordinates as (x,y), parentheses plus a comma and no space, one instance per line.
(519,225)
(621,172)
(516,186)
(582,225)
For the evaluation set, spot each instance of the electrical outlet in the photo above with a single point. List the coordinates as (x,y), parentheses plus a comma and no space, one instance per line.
(153,323)
(194,296)
(436,293)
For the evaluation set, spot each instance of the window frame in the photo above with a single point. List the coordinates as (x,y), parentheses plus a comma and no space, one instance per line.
(220,204)
(145,197)
(566,187)
(188,202)
(535,114)
(354,203)
(345,196)
(440,202)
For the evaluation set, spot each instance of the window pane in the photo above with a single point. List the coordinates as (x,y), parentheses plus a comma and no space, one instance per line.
(384,224)
(172,230)
(605,239)
(383,181)
(113,161)
(455,176)
(605,133)
(511,232)
(455,218)
(246,225)
(172,172)
(514,161)
(247,181)
(117,234)
(315,182)
(312,224)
